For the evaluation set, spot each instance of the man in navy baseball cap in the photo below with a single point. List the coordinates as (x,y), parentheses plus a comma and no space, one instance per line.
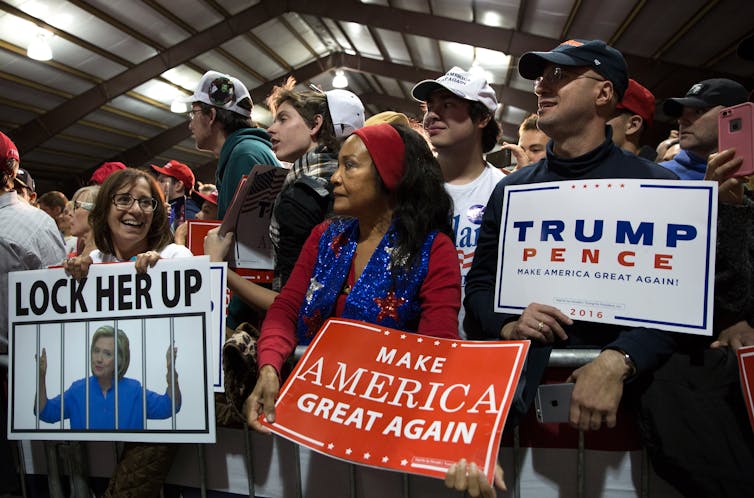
(592,54)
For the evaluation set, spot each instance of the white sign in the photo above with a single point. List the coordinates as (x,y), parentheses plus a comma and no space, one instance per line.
(639,253)
(63,341)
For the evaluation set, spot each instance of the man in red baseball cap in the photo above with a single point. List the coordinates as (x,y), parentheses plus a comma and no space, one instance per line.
(177,181)
(103,171)
(633,115)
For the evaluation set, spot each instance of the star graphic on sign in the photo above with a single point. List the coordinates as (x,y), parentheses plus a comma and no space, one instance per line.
(386,332)
(419,339)
(403,336)
(404,462)
(367,456)
(314,286)
(337,243)
(348,451)
(436,343)
(454,345)
(330,446)
(385,459)
(389,306)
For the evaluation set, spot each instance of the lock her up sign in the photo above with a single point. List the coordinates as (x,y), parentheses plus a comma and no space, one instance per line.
(629,252)
(400,401)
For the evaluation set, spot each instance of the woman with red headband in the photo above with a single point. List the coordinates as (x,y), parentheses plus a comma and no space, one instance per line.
(388,259)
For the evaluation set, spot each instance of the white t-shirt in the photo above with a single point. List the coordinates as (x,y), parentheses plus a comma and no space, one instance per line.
(469,201)
(169,252)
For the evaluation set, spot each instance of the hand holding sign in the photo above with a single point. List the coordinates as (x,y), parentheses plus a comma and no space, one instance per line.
(78,267)
(539,322)
(261,401)
(146,260)
(736,336)
(464,477)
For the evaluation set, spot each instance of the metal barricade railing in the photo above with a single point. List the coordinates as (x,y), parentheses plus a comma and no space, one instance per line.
(559,358)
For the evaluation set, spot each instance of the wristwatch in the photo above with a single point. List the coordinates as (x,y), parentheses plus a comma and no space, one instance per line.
(629,363)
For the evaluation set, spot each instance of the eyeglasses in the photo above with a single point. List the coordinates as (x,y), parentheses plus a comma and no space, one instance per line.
(221,92)
(125,201)
(83,205)
(557,75)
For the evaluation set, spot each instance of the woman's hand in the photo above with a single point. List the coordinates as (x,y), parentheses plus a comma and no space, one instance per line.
(216,246)
(469,478)
(78,267)
(167,363)
(720,169)
(43,364)
(262,399)
(539,322)
(146,260)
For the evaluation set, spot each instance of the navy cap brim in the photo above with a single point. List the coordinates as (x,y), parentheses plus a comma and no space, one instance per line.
(532,64)
(674,107)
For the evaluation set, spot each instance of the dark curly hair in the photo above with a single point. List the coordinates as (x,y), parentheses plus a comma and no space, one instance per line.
(422,203)
(491,132)
(159,234)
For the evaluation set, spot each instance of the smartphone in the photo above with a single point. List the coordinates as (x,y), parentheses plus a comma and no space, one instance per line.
(553,403)
(735,128)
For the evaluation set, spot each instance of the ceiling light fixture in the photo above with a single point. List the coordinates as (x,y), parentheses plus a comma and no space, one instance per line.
(39,49)
(340,80)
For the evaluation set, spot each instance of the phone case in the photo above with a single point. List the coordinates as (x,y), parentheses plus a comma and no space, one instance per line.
(553,403)
(735,129)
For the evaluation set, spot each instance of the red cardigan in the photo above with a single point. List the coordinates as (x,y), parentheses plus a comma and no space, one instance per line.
(440,297)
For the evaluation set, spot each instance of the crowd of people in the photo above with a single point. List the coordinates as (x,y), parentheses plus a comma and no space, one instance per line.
(387,210)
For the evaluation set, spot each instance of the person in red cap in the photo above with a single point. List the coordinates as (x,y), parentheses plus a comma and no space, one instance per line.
(177,182)
(633,115)
(103,171)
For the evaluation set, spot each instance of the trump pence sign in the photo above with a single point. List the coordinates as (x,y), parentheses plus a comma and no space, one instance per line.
(630,252)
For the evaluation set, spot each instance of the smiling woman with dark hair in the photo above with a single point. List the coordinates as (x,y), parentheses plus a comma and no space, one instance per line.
(130,223)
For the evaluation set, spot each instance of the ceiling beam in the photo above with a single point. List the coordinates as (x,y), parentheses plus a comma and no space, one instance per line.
(44,127)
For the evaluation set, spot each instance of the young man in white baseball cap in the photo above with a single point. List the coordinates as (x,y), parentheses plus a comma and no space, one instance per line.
(220,122)
(460,122)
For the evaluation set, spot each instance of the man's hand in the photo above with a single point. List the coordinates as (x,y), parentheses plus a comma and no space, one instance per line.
(736,336)
(539,322)
(262,399)
(598,391)
(469,478)
(720,167)
(518,153)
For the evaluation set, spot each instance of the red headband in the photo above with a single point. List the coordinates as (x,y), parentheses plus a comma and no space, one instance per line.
(387,150)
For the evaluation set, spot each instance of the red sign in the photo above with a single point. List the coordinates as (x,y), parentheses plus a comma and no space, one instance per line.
(746,369)
(400,401)
(197,230)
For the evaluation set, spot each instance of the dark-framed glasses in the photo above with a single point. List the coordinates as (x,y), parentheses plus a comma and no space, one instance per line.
(557,75)
(125,201)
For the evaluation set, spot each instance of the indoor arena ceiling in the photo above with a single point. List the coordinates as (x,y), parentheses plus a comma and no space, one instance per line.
(118,65)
